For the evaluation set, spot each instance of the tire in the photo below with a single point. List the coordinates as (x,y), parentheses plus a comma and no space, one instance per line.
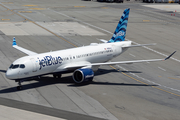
(19,87)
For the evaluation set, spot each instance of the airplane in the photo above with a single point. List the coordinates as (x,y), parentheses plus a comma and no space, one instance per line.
(82,61)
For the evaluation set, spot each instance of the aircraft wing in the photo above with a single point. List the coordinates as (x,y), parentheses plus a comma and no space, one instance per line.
(77,65)
(127,62)
(28,52)
(119,62)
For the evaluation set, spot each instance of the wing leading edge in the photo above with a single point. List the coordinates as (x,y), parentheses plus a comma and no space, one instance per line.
(28,52)
(119,62)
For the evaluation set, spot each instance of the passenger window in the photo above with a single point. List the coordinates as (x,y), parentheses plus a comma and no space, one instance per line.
(15,66)
(22,66)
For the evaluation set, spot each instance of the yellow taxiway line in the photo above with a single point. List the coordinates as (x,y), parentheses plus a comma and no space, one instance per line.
(5,19)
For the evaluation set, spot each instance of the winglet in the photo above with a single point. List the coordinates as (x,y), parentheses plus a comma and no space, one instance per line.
(170,56)
(14,41)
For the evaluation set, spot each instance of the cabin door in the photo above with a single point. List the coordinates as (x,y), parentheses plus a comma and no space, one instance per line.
(34,65)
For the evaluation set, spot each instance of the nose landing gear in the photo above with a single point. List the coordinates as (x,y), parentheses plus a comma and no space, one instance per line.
(20,86)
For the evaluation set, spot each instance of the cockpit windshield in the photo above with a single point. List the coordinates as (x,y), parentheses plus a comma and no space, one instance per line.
(11,66)
(16,66)
(22,66)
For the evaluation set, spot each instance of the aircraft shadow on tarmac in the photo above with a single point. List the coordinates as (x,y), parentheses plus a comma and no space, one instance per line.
(104,71)
(48,80)
(3,71)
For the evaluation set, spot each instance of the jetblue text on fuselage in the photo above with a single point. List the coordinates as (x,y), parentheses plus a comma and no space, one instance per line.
(49,60)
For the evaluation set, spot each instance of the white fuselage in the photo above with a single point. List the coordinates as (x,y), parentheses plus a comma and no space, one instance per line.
(57,61)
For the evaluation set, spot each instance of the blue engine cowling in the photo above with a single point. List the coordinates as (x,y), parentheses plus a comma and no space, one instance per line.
(83,75)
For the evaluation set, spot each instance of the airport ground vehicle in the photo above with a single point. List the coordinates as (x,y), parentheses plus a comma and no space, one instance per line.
(161,1)
(109,0)
(117,1)
(148,1)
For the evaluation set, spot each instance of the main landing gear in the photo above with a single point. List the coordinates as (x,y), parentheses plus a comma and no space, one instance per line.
(56,75)
(20,86)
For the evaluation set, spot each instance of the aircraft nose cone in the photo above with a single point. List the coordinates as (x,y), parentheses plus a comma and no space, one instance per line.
(9,74)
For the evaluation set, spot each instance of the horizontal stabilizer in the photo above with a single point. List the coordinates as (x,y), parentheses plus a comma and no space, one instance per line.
(140,45)
(104,41)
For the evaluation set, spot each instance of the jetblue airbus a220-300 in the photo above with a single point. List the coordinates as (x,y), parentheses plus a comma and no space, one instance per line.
(82,61)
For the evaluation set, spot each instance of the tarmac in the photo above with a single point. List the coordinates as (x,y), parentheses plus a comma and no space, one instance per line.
(140,91)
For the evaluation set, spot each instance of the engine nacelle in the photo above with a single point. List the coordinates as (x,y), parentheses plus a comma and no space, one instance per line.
(83,75)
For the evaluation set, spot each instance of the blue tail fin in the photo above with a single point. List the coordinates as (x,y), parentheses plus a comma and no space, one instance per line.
(120,32)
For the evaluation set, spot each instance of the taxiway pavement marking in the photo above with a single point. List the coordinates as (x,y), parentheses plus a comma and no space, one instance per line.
(7,2)
(161,68)
(40,26)
(150,82)
(146,20)
(129,76)
(79,6)
(25,11)
(174,78)
(5,19)
(132,55)
(166,91)
(37,8)
(7,15)
(30,5)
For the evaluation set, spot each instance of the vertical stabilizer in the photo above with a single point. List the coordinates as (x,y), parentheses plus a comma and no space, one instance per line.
(120,32)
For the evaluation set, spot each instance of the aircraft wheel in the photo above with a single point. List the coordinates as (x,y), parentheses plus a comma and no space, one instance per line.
(54,75)
(19,87)
(57,75)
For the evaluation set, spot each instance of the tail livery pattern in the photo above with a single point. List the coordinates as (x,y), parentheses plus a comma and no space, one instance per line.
(120,32)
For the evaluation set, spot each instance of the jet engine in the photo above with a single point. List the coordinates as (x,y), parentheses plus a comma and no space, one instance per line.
(83,75)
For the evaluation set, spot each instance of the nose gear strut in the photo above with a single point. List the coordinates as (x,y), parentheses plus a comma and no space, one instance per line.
(20,86)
